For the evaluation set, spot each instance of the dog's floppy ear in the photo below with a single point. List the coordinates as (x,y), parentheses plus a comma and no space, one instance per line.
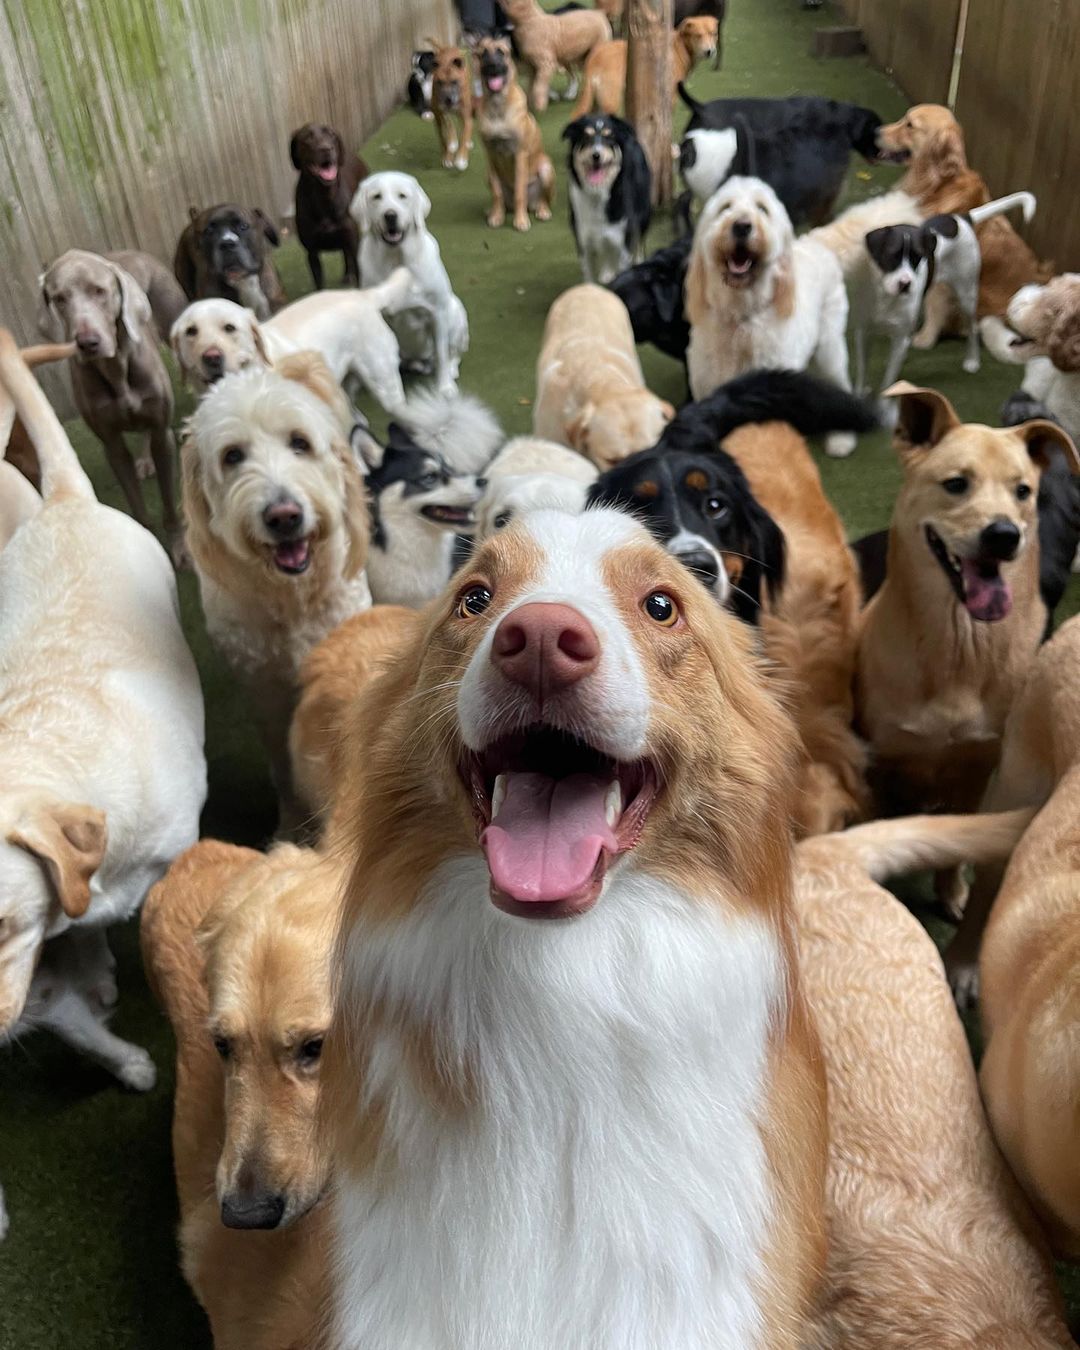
(423,202)
(355,515)
(925,417)
(134,306)
(946,149)
(577,431)
(309,369)
(294,147)
(1063,344)
(695,288)
(195,503)
(572,129)
(784,290)
(174,343)
(358,209)
(266,225)
(49,322)
(1042,436)
(258,339)
(70,840)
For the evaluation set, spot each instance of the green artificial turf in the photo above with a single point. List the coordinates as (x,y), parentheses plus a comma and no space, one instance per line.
(90,1261)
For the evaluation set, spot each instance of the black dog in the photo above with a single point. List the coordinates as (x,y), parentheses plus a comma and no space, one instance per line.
(224,251)
(652,292)
(419,86)
(610,190)
(329,176)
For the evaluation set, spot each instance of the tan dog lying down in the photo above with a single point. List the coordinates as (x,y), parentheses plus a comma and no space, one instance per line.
(237,945)
(590,392)
(811,631)
(949,638)
(932,1245)
(1030,997)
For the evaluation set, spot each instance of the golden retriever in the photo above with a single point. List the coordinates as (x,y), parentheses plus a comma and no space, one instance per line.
(604,79)
(237,945)
(590,392)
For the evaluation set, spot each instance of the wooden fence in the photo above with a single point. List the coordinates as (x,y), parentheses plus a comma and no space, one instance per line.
(117,115)
(1018,90)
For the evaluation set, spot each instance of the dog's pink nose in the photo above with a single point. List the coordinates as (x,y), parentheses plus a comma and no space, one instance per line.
(545,648)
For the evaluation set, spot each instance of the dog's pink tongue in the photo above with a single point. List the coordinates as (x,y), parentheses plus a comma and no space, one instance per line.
(546,839)
(327,172)
(292,555)
(986,598)
(495,83)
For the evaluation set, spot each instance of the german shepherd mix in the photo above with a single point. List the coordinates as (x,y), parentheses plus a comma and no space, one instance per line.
(519,173)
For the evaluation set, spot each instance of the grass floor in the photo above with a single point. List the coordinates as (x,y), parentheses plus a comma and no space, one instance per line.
(90,1262)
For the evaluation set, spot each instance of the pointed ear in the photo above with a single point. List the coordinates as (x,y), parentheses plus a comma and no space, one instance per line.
(70,841)
(695,288)
(925,417)
(1042,437)
(576,433)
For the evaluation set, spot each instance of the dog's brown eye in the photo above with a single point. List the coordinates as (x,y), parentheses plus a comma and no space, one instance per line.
(299,443)
(503,519)
(661,608)
(474,601)
(956,486)
(716,507)
(232,454)
(192,331)
(230,328)
(223,1046)
(1023,492)
(310,1052)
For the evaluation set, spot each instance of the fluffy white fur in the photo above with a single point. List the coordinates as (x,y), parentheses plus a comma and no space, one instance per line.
(457,426)
(411,556)
(714,154)
(1028,344)
(391,210)
(844,236)
(534,454)
(516,494)
(214,330)
(791,313)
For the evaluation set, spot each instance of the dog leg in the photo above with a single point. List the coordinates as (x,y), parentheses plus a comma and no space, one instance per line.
(447,139)
(73,1020)
(122,465)
(314,263)
(521,190)
(967,296)
(546,174)
(163,449)
(465,145)
(540,92)
(831,360)
(497,214)
(936,310)
(858,341)
(352,270)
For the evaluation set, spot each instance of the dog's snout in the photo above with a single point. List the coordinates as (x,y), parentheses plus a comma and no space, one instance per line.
(704,565)
(545,648)
(742,229)
(88,342)
(213,360)
(390,217)
(252,1209)
(284,518)
(1000,539)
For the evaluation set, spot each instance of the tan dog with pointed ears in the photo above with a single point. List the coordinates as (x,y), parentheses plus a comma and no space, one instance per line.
(948,640)
(452,105)
(572,1091)
(520,174)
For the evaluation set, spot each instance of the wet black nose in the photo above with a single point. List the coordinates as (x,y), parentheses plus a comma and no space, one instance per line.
(252,1211)
(903,286)
(283,518)
(213,361)
(742,229)
(390,217)
(703,564)
(1000,540)
(596,156)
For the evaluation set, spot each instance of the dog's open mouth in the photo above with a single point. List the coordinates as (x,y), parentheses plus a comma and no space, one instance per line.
(327,172)
(976,582)
(293,556)
(448,515)
(551,813)
(740,265)
(235,275)
(494,80)
(392,234)
(886,155)
(1018,340)
(597,174)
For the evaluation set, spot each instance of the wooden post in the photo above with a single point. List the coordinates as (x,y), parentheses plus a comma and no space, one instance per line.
(649,87)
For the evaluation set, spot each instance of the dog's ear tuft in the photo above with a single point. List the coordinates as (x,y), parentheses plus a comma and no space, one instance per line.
(925,417)
(309,369)
(266,225)
(70,840)
(1042,437)
(294,147)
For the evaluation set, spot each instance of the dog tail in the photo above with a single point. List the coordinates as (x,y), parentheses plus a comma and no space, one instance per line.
(887,848)
(393,293)
(690,101)
(61,472)
(811,406)
(1025,200)
(457,426)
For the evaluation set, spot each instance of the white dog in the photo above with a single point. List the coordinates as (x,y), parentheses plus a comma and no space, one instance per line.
(531,474)
(216,337)
(278,530)
(390,210)
(101,744)
(757,296)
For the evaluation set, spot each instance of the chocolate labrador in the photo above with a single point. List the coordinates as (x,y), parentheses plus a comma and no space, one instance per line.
(329,177)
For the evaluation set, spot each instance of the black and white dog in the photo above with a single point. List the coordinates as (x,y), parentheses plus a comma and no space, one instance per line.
(652,292)
(696,500)
(610,190)
(420,81)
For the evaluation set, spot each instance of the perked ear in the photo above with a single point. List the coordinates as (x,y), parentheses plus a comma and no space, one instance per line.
(70,840)
(1041,436)
(925,417)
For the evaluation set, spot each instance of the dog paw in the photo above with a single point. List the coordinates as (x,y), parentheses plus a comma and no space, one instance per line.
(840,444)
(972,365)
(543,212)
(427,116)
(923,341)
(144,467)
(137,1071)
(447,163)
(963,979)
(178,553)
(521,223)
(495,219)
(462,162)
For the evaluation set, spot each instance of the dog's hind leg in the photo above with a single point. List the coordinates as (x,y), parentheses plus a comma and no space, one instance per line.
(72,1019)
(967,297)
(937,309)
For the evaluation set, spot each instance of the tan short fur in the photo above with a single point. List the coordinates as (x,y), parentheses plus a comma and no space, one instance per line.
(604,80)
(520,174)
(550,41)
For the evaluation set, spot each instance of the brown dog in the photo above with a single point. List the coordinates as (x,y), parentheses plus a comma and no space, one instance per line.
(547,42)
(520,174)
(329,177)
(604,80)
(237,948)
(949,638)
(932,1246)
(224,251)
(452,105)
(811,632)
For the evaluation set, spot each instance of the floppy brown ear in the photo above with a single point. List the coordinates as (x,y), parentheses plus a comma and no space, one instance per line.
(70,840)
(925,416)
(946,149)
(354,509)
(266,225)
(696,286)
(576,433)
(1063,345)
(194,501)
(259,341)
(1041,436)
(294,147)
(48,321)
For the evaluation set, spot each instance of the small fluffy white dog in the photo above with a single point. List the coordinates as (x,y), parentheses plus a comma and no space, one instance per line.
(531,474)
(102,775)
(757,296)
(391,210)
(278,530)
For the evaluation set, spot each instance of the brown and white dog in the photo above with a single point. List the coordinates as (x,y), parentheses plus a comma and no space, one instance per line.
(237,945)
(604,80)
(548,42)
(571,1089)
(948,640)
(520,174)
(931,1244)
(452,105)
(590,391)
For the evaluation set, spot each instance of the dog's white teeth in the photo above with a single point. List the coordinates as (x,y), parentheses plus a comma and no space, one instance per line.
(613,803)
(498,794)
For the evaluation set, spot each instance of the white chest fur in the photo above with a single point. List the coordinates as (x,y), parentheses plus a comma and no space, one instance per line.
(611,1190)
(601,242)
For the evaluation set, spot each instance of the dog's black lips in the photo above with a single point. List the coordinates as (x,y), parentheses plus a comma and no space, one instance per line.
(448,515)
(944,557)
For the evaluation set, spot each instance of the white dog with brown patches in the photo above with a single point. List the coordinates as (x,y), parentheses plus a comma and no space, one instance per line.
(278,530)
(757,296)
(573,1093)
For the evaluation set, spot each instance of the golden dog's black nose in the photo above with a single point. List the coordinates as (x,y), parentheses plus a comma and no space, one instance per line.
(1000,540)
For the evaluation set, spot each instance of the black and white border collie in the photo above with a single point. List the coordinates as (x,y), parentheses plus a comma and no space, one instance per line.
(610,189)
